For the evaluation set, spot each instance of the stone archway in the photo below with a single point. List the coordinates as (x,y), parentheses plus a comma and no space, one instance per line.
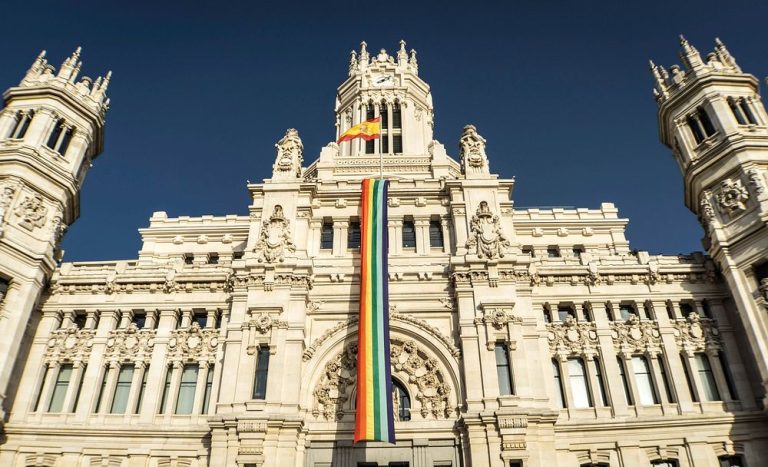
(411,364)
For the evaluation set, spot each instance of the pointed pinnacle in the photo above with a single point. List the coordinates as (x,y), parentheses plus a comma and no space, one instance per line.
(42,55)
(683,39)
(718,41)
(653,65)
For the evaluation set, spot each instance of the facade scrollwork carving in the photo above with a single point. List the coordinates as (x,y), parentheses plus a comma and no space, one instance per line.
(697,334)
(472,152)
(732,197)
(289,156)
(193,344)
(571,338)
(593,276)
(418,372)
(263,323)
(707,211)
(131,344)
(486,238)
(69,344)
(636,336)
(32,212)
(498,316)
(756,180)
(275,238)
(6,198)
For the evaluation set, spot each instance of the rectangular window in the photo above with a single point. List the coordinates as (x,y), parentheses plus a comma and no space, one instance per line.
(563,312)
(397,144)
(731,461)
(409,234)
(4,284)
(598,372)
(189,258)
(624,381)
(502,369)
(728,376)
(553,252)
(166,389)
(353,235)
(609,312)
(545,314)
(60,388)
(688,380)
(559,394)
(578,250)
(397,119)
(122,389)
(644,381)
(262,371)
(142,390)
(665,379)
(187,386)
(527,250)
(213,258)
(55,133)
(586,311)
(79,320)
(670,310)
(208,388)
(201,318)
(102,390)
(686,308)
(326,236)
(578,380)
(139,319)
(435,234)
(707,378)
(626,310)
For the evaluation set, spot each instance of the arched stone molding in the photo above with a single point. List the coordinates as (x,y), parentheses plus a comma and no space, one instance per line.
(431,350)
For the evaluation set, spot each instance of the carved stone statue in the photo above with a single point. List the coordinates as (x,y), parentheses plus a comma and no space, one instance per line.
(6,196)
(289,156)
(486,236)
(32,212)
(756,180)
(732,197)
(275,238)
(472,151)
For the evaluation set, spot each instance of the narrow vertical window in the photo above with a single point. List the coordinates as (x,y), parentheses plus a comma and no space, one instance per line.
(747,111)
(559,394)
(397,119)
(208,388)
(563,312)
(409,234)
(586,311)
(707,378)
(384,139)
(624,381)
(601,395)
(402,400)
(397,144)
(142,389)
(122,389)
(545,314)
(728,376)
(102,390)
(213,258)
(326,236)
(706,122)
(66,137)
(736,111)
(79,388)
(578,380)
(262,372)
(435,234)
(23,119)
(369,115)
(644,380)
(688,380)
(670,311)
(187,386)
(166,389)
(4,285)
(60,388)
(353,235)
(665,379)
(53,139)
(502,369)
(693,124)
(578,250)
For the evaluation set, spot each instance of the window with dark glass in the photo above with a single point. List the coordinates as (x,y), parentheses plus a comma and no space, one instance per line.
(384,128)
(200,317)
(624,381)
(626,310)
(546,314)
(686,308)
(262,371)
(707,378)
(741,110)
(503,371)
(598,372)
(208,388)
(728,376)
(213,258)
(578,250)
(326,236)
(237,255)
(397,144)
(60,388)
(705,308)
(586,311)
(559,390)
(435,234)
(397,120)
(4,285)
(369,115)
(353,235)
(139,319)
(737,112)
(731,461)
(553,252)
(647,310)
(23,119)
(186,396)
(564,311)
(189,258)
(701,125)
(409,234)
(79,319)
(403,401)
(60,136)
(122,389)
(528,251)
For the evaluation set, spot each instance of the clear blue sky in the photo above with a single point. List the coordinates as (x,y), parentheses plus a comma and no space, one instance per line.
(202,91)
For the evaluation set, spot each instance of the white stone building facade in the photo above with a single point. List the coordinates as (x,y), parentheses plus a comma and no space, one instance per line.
(520,337)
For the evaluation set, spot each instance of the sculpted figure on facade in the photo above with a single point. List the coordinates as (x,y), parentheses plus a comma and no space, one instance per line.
(635,335)
(572,338)
(289,156)
(707,211)
(697,334)
(756,180)
(472,151)
(275,238)
(6,196)
(732,197)
(32,212)
(486,237)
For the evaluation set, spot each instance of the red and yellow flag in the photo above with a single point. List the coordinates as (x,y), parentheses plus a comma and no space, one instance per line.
(368,130)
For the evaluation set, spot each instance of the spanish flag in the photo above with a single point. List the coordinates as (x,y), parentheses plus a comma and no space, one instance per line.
(368,130)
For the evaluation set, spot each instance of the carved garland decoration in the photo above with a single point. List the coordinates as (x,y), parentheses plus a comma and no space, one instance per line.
(132,344)
(419,373)
(636,336)
(193,343)
(69,344)
(572,338)
(697,334)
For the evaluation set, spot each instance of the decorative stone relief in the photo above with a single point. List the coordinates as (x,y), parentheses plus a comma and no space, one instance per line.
(757,181)
(275,238)
(193,343)
(764,290)
(418,372)
(70,344)
(486,236)
(696,334)
(6,197)
(289,156)
(707,211)
(32,212)
(313,306)
(131,344)
(263,322)
(472,152)
(636,336)
(572,338)
(498,316)
(732,197)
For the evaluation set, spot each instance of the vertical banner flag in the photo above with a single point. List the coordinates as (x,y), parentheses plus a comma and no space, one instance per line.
(374,419)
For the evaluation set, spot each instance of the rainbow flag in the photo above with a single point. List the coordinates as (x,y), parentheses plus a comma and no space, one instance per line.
(374,419)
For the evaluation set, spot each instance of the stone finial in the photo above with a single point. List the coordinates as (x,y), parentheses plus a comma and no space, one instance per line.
(364,57)
(658,75)
(412,61)
(353,65)
(402,55)
(71,66)
(725,56)
(472,151)
(690,56)
(289,156)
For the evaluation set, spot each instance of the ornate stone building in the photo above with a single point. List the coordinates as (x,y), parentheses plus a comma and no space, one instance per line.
(520,337)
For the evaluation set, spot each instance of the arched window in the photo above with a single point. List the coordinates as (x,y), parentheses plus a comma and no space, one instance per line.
(397,129)
(23,119)
(401,401)
(700,124)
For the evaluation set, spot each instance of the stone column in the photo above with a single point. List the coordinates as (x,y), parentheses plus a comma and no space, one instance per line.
(47,390)
(421,226)
(565,381)
(692,372)
(186,318)
(173,392)
(657,379)
(445,225)
(340,228)
(718,373)
(8,120)
(202,376)
(70,399)
(40,127)
(139,368)
(105,405)
(611,373)
(629,372)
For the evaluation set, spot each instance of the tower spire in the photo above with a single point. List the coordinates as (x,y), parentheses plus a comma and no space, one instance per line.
(402,54)
(725,56)
(71,65)
(690,56)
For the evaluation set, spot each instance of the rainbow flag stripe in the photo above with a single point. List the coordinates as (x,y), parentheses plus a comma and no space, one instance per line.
(374,419)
